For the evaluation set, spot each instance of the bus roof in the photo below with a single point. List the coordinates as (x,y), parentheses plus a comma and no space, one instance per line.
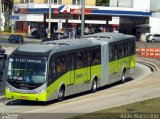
(109,36)
(44,49)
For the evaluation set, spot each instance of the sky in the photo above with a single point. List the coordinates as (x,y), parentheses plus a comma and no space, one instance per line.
(155,4)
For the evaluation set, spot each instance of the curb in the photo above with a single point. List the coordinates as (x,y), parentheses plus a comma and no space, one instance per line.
(7,33)
(3,96)
(152,65)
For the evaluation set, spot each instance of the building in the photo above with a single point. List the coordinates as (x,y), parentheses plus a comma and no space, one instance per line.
(150,5)
(31,15)
(2,19)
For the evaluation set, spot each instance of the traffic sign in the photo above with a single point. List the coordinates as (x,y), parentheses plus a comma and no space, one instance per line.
(14,17)
(60,23)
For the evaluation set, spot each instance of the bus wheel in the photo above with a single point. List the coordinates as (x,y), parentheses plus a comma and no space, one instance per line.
(123,77)
(94,86)
(61,93)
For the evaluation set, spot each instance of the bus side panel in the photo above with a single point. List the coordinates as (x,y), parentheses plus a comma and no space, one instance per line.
(104,65)
(133,61)
(113,71)
(122,63)
(128,62)
(81,84)
(72,77)
(54,87)
(96,71)
(89,73)
(80,75)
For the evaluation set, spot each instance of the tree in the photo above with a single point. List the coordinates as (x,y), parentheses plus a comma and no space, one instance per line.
(7,10)
(8,5)
(102,2)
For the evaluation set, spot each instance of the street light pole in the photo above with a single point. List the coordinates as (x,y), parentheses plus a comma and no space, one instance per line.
(49,20)
(117,3)
(0,14)
(82,17)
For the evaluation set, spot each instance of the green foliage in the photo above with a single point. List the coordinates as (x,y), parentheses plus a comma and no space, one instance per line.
(7,29)
(102,2)
(8,5)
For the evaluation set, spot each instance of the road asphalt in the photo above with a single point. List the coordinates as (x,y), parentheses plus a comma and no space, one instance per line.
(130,92)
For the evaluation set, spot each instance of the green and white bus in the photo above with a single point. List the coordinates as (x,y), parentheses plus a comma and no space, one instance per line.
(53,70)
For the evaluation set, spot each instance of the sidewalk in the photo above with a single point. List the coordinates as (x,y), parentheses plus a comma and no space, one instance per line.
(9,33)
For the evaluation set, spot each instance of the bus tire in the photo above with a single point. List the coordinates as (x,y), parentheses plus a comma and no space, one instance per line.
(61,93)
(123,76)
(94,86)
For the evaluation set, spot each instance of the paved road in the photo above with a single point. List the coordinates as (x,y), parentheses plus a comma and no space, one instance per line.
(147,45)
(144,86)
(9,47)
(131,91)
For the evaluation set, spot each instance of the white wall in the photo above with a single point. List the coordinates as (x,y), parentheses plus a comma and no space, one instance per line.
(155,5)
(0,15)
(142,4)
(137,4)
(30,17)
(115,20)
(155,24)
(122,3)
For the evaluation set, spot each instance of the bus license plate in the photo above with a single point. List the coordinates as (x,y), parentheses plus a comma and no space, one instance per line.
(24,97)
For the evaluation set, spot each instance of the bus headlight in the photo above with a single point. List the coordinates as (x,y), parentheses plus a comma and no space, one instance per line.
(40,92)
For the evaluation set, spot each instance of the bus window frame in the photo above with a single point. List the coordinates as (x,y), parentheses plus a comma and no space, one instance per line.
(120,43)
(93,58)
(76,60)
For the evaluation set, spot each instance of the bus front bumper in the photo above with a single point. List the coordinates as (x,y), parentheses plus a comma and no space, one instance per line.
(32,97)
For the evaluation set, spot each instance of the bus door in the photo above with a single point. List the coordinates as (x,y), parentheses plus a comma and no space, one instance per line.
(80,69)
(3,58)
(113,65)
(86,65)
(70,62)
(96,62)
(132,53)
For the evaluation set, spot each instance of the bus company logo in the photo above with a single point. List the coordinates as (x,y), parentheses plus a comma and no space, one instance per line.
(15,9)
(64,9)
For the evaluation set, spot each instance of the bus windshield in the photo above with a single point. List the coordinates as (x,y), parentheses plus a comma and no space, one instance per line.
(27,70)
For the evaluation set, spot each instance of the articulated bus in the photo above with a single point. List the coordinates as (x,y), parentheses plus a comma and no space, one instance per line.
(53,70)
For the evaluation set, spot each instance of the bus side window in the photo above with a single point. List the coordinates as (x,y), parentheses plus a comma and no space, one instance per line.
(120,51)
(61,66)
(115,51)
(96,56)
(124,50)
(86,58)
(132,48)
(52,70)
(70,62)
(78,60)
(110,53)
(52,66)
